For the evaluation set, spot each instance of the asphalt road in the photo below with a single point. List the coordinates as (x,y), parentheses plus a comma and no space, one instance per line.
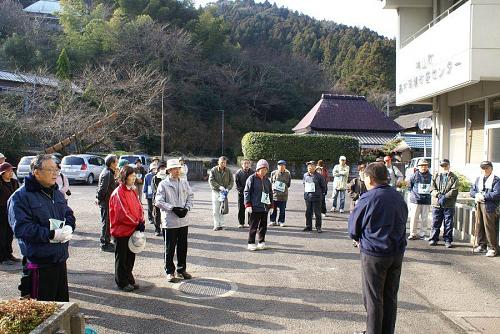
(306,282)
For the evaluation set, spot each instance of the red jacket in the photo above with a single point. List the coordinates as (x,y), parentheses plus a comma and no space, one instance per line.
(125,212)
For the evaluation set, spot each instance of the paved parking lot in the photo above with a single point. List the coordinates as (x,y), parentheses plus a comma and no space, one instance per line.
(306,282)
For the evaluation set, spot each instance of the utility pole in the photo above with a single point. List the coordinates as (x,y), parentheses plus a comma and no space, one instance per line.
(162,136)
(387,105)
(222,133)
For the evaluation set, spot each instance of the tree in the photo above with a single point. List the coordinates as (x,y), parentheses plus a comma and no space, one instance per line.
(63,66)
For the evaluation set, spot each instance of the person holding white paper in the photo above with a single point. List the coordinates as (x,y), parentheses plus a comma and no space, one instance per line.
(43,223)
(281,180)
(314,188)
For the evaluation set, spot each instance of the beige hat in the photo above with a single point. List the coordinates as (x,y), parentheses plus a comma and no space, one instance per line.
(137,242)
(2,156)
(173,163)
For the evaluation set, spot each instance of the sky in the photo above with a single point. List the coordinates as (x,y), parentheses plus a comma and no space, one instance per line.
(359,13)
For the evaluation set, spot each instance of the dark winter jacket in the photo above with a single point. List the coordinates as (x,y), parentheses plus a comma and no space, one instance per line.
(6,190)
(106,186)
(444,185)
(253,193)
(491,196)
(30,208)
(378,222)
(420,186)
(319,185)
(240,179)
(148,186)
(356,188)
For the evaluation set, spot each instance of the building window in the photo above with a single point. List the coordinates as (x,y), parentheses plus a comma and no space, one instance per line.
(494,150)
(475,133)
(494,114)
(457,134)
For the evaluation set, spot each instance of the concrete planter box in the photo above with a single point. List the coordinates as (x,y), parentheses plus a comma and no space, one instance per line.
(67,320)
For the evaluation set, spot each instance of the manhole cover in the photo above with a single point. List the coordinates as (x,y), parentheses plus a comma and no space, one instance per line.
(205,288)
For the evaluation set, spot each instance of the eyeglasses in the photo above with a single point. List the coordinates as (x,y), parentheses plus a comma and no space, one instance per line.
(52,171)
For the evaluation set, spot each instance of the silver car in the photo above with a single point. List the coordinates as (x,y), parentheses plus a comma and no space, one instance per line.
(82,167)
(23,167)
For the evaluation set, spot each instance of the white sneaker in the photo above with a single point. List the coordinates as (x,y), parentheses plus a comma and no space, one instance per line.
(341,210)
(491,253)
(261,246)
(282,224)
(271,224)
(323,215)
(252,247)
(332,210)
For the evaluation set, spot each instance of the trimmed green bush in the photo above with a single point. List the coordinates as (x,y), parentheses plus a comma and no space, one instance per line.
(463,183)
(291,147)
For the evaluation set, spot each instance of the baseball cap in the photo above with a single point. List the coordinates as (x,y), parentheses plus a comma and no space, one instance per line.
(342,157)
(444,162)
(422,162)
(312,162)
(282,162)
(485,164)
(5,167)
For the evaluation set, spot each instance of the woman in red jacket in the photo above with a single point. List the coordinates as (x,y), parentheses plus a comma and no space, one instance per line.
(125,216)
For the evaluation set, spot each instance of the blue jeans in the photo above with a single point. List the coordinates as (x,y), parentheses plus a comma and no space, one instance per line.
(281,205)
(341,195)
(438,215)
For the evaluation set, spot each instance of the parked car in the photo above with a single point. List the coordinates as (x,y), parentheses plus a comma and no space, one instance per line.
(132,158)
(412,166)
(82,167)
(23,167)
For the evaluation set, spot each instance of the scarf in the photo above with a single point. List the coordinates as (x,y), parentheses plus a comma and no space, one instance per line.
(488,185)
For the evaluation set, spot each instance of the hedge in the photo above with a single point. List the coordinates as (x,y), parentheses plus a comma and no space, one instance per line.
(291,147)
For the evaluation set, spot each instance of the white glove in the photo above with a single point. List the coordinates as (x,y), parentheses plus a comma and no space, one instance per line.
(248,209)
(479,198)
(69,231)
(60,235)
(221,188)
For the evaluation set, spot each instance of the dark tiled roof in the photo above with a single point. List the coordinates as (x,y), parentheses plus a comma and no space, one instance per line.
(345,112)
(411,120)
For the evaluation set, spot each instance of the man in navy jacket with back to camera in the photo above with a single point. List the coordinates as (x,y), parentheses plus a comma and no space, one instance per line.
(378,223)
(43,224)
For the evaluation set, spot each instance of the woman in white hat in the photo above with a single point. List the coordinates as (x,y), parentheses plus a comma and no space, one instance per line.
(175,199)
(125,217)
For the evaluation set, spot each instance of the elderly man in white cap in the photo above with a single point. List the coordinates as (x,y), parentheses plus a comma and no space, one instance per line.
(340,174)
(258,201)
(184,169)
(175,199)
(2,158)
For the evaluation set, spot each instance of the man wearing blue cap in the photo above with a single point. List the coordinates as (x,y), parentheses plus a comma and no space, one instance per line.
(281,180)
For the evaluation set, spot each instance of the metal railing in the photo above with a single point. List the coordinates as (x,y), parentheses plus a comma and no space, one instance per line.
(432,23)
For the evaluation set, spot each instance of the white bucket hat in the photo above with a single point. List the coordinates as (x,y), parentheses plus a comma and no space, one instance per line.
(173,163)
(137,242)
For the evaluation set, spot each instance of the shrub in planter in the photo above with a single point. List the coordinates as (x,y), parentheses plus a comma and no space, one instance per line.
(463,183)
(22,316)
(291,147)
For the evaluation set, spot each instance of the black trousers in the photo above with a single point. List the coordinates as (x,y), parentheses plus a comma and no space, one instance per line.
(175,239)
(105,232)
(241,209)
(323,204)
(6,236)
(157,219)
(47,283)
(124,263)
(150,210)
(258,222)
(380,278)
(313,206)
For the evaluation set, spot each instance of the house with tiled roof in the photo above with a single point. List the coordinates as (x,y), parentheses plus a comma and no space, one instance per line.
(349,115)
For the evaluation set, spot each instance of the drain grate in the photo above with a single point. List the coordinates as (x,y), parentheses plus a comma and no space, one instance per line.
(205,288)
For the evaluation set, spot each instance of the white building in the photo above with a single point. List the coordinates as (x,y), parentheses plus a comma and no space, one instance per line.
(448,54)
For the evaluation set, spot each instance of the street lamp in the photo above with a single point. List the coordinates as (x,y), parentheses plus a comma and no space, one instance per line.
(222,131)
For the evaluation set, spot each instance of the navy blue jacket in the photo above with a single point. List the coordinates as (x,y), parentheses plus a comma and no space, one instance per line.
(491,196)
(420,180)
(29,213)
(319,186)
(378,222)
(147,183)
(253,193)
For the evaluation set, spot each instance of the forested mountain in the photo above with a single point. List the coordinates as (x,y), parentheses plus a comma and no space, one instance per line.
(264,66)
